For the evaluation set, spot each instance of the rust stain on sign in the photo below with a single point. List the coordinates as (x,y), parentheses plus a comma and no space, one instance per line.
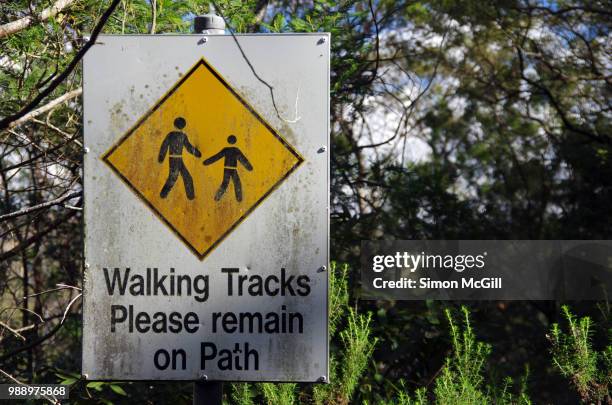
(202,158)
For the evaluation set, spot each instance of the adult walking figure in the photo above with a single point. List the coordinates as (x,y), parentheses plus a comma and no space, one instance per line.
(174,142)
(232,156)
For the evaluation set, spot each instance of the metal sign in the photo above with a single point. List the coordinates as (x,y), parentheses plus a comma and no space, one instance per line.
(206,208)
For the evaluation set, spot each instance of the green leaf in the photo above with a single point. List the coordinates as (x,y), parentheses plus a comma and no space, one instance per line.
(68,381)
(95,385)
(118,390)
(279,22)
(299,25)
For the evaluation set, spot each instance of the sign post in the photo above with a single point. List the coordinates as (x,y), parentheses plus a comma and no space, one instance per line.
(208,393)
(206,209)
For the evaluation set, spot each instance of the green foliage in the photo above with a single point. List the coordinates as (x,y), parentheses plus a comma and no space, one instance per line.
(68,378)
(359,346)
(97,392)
(403,398)
(349,359)
(589,371)
(348,364)
(239,14)
(278,23)
(505,395)
(281,394)
(241,394)
(338,295)
(461,380)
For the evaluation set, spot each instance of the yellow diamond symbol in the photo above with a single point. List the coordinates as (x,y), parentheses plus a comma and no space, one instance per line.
(202,158)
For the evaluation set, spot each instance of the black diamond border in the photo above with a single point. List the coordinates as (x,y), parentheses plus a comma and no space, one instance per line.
(202,62)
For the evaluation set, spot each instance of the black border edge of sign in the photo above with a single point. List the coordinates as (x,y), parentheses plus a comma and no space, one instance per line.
(203,62)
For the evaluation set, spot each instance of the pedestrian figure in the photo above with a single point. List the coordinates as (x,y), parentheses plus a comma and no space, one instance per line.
(174,142)
(232,156)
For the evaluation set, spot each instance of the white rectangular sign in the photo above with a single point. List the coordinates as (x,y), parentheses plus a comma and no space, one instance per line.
(206,207)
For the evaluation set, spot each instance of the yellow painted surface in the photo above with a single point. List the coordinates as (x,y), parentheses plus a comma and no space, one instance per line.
(212,112)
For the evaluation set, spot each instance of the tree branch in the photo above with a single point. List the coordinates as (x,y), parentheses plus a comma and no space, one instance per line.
(153,16)
(5,122)
(33,208)
(42,154)
(47,107)
(23,23)
(250,65)
(34,343)
(34,238)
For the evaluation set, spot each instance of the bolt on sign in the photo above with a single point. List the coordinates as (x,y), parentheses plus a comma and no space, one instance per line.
(206,208)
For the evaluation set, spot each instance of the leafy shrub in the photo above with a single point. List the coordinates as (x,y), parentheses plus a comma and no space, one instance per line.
(461,380)
(348,361)
(589,371)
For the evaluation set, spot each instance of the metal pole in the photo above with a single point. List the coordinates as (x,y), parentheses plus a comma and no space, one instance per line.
(208,393)
(205,392)
(208,24)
